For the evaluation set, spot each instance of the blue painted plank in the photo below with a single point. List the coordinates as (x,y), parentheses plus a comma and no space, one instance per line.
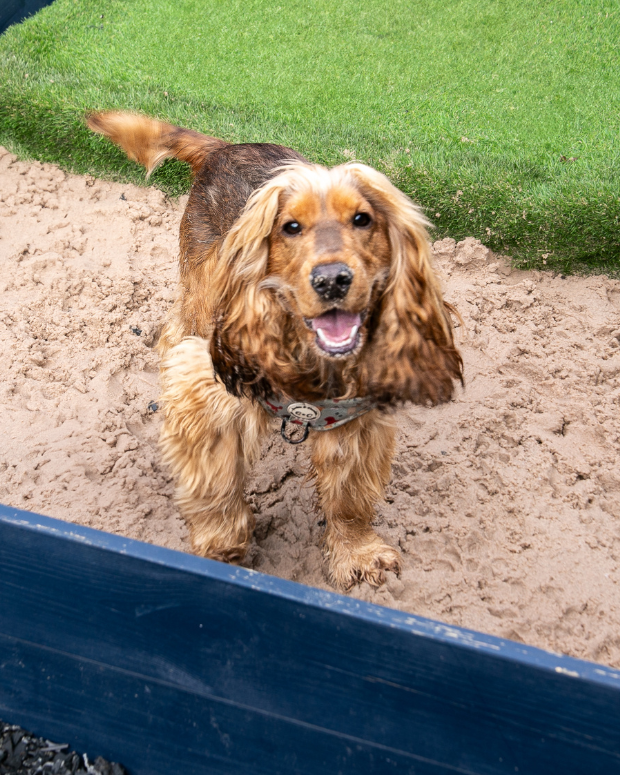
(15,11)
(167,729)
(123,648)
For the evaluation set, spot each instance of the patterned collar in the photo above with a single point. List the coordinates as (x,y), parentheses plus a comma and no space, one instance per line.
(319,415)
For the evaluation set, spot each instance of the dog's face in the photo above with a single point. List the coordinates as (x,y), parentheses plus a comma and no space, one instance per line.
(329,256)
(324,289)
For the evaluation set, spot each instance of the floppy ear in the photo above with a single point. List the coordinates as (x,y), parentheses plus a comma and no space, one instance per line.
(411,354)
(250,327)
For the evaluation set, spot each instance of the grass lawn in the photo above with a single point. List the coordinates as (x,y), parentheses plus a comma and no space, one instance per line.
(501,118)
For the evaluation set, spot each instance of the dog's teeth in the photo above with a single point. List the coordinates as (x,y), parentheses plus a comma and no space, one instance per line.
(337,342)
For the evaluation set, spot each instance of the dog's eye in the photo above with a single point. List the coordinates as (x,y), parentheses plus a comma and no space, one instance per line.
(361,219)
(292,227)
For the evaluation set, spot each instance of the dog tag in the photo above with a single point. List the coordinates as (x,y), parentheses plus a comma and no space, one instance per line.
(305,412)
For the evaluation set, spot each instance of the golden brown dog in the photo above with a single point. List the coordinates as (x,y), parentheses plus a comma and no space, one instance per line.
(297,284)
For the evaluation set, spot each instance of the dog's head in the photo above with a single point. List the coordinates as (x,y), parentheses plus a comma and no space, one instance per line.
(325,289)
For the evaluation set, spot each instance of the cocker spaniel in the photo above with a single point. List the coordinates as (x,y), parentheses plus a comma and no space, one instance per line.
(305,293)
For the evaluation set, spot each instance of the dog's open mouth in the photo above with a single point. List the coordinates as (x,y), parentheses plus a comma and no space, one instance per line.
(337,331)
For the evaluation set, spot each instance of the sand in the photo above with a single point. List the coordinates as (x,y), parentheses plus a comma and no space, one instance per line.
(505,502)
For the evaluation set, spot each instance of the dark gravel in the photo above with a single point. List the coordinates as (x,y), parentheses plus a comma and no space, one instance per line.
(24,754)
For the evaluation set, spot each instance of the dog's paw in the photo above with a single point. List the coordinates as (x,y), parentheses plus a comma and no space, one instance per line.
(218,537)
(350,564)
(215,546)
(230,554)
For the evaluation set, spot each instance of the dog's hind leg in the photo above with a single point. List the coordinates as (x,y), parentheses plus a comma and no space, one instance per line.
(352,466)
(209,439)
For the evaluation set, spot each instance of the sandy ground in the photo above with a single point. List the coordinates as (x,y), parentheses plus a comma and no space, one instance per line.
(505,503)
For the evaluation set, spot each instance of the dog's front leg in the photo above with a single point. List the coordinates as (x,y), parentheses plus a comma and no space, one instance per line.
(209,439)
(352,467)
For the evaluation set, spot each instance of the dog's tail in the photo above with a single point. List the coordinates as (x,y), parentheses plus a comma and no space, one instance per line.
(150,142)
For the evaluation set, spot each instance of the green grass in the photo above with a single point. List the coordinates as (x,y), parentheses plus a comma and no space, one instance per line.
(475,108)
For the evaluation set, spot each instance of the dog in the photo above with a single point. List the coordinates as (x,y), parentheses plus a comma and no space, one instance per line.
(306,293)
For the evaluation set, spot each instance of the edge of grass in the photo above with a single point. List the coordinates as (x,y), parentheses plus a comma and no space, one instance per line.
(569,232)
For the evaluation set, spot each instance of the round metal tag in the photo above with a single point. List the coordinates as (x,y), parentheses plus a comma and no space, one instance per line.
(305,412)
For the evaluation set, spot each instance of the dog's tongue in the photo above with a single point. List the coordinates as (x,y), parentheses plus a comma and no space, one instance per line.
(337,324)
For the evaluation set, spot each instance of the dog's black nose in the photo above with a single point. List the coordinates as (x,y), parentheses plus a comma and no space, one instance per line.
(331,281)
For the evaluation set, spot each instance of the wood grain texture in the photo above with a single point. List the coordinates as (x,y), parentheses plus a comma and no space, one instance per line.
(170,663)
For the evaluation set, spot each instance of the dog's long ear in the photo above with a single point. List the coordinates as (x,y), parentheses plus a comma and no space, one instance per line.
(150,142)
(248,324)
(412,356)
(242,258)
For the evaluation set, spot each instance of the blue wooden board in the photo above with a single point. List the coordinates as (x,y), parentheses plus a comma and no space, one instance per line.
(176,665)
(15,11)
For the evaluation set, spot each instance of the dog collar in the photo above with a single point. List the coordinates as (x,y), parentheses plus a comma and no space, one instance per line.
(319,415)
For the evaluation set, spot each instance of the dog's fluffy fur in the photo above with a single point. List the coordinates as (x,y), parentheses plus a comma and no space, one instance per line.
(249,321)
